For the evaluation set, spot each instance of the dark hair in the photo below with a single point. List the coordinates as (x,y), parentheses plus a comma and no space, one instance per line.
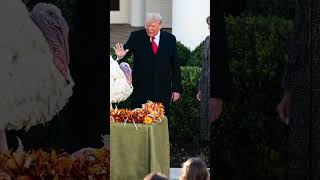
(155,176)
(208,20)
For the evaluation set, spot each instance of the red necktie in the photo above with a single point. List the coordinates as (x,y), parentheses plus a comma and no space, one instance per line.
(154,46)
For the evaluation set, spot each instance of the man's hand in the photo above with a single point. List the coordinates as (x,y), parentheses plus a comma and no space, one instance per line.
(120,52)
(199,95)
(283,109)
(175,96)
(215,109)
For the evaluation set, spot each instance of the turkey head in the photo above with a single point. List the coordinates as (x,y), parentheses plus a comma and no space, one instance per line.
(55,29)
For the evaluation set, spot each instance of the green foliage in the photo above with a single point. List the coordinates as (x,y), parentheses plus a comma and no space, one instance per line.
(188,57)
(184,53)
(249,136)
(280,8)
(197,55)
(112,53)
(182,124)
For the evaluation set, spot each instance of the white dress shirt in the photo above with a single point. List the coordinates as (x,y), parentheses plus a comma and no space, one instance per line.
(156,39)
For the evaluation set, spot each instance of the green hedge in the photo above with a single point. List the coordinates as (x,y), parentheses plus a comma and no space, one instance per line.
(184,53)
(182,124)
(196,56)
(249,137)
(281,8)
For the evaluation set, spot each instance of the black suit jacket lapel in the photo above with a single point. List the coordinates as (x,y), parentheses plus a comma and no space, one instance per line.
(147,43)
(161,42)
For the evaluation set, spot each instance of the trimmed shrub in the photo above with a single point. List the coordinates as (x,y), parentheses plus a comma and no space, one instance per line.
(249,138)
(182,124)
(197,56)
(280,8)
(184,53)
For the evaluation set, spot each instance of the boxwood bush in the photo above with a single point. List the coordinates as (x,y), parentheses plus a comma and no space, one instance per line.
(249,140)
(184,114)
(184,53)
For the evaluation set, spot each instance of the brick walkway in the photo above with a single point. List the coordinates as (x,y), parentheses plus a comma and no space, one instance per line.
(120,33)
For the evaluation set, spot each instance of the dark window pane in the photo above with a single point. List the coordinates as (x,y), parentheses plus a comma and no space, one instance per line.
(115,5)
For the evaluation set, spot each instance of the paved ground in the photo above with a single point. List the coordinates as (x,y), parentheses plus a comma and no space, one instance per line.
(175,173)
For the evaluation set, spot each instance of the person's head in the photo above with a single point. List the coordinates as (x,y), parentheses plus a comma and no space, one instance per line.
(194,169)
(208,22)
(153,23)
(155,176)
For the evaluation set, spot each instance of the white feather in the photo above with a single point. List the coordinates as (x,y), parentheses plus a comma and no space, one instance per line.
(120,90)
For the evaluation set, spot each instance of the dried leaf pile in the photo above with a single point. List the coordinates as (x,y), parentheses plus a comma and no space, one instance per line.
(149,113)
(40,165)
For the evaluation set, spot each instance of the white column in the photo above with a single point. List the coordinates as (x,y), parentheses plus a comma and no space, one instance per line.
(189,21)
(137,12)
(164,7)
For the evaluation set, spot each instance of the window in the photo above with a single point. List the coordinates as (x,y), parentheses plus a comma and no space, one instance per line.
(115,5)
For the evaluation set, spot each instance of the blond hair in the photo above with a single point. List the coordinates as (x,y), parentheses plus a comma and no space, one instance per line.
(194,169)
(153,17)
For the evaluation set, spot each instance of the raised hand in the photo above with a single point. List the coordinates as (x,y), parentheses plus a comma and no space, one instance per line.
(120,52)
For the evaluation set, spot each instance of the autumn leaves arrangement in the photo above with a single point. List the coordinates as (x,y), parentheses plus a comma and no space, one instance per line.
(149,113)
(93,164)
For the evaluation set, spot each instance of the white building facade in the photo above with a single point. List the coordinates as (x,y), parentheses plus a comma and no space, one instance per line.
(187,18)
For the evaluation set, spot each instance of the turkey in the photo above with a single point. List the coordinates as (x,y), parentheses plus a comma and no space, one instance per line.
(120,81)
(34,73)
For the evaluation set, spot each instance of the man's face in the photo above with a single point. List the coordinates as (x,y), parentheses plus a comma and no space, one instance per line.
(152,28)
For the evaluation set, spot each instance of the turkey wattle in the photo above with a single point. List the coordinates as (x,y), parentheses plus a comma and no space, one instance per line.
(120,81)
(36,83)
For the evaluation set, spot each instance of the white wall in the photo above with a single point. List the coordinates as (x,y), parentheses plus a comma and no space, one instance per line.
(120,17)
(137,12)
(189,21)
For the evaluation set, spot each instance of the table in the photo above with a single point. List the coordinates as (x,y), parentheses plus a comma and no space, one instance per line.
(134,153)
